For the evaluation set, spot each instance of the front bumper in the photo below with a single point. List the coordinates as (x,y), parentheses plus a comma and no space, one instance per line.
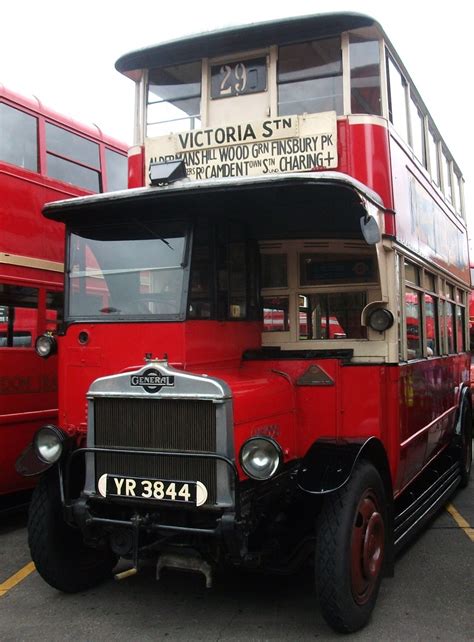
(139,504)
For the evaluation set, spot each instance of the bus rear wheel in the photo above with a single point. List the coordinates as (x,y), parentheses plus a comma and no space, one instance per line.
(350,550)
(58,550)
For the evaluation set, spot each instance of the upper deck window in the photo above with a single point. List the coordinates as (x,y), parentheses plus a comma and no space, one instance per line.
(365,75)
(417,132)
(72,158)
(434,164)
(458,191)
(174,99)
(397,100)
(446,169)
(18,138)
(310,77)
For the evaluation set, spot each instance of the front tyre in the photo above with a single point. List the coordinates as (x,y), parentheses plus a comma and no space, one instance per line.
(350,549)
(58,551)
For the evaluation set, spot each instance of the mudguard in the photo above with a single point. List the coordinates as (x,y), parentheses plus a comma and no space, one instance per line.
(28,463)
(328,464)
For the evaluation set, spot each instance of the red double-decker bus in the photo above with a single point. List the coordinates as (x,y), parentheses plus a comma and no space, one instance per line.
(43,157)
(264,352)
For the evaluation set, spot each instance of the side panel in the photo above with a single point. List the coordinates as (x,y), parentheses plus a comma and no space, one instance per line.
(425,223)
(364,154)
(25,232)
(28,384)
(28,400)
(428,395)
(369,408)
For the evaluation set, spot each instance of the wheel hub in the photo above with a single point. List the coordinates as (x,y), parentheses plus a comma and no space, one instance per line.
(367,547)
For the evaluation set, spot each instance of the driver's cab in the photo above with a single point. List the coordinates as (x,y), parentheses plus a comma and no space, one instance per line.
(316,290)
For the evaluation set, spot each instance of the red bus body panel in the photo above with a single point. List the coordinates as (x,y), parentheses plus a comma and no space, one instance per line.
(31,255)
(410,409)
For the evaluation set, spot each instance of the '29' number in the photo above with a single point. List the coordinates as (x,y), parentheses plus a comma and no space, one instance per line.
(234,79)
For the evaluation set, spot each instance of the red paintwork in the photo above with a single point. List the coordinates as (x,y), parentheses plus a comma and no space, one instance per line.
(136,166)
(409,408)
(428,394)
(28,384)
(364,153)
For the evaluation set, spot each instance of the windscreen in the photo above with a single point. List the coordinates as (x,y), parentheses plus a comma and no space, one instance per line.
(133,269)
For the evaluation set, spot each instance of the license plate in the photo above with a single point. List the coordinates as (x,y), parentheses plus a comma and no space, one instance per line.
(166,490)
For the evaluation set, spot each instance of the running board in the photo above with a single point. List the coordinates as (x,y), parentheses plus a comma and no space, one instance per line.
(411,517)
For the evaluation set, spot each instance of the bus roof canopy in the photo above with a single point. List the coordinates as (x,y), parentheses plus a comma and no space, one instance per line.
(322,204)
(256,35)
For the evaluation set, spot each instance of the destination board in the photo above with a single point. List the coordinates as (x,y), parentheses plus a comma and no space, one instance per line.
(272,146)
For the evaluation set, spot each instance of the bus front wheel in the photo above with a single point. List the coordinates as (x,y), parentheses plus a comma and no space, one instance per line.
(350,549)
(58,550)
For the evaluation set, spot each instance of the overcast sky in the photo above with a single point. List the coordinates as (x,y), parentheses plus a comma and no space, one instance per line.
(64,52)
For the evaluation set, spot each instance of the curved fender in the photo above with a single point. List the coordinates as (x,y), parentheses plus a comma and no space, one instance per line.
(329,463)
(29,464)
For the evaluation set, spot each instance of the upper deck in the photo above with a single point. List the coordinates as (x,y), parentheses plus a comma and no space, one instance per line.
(279,96)
(46,156)
(314,93)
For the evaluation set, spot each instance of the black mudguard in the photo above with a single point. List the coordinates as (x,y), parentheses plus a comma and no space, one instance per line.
(328,464)
(29,464)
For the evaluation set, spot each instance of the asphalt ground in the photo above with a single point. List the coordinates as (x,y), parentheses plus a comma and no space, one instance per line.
(430,598)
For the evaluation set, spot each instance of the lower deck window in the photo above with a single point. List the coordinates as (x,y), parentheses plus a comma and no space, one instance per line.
(18,315)
(331,316)
(276,314)
(431,325)
(413,324)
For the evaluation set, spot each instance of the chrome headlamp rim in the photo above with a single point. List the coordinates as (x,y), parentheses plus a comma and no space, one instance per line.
(278,461)
(57,436)
(49,343)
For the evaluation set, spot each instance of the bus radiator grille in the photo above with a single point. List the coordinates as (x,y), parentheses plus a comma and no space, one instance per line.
(179,425)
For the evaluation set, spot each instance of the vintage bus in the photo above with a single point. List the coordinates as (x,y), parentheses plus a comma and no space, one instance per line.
(43,157)
(285,171)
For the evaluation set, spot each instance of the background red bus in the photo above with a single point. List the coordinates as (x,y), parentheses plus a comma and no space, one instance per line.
(43,157)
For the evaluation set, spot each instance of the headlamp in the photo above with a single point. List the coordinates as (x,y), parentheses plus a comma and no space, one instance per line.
(48,443)
(380,319)
(45,345)
(260,457)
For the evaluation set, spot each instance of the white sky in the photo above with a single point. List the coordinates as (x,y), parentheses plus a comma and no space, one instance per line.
(64,52)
